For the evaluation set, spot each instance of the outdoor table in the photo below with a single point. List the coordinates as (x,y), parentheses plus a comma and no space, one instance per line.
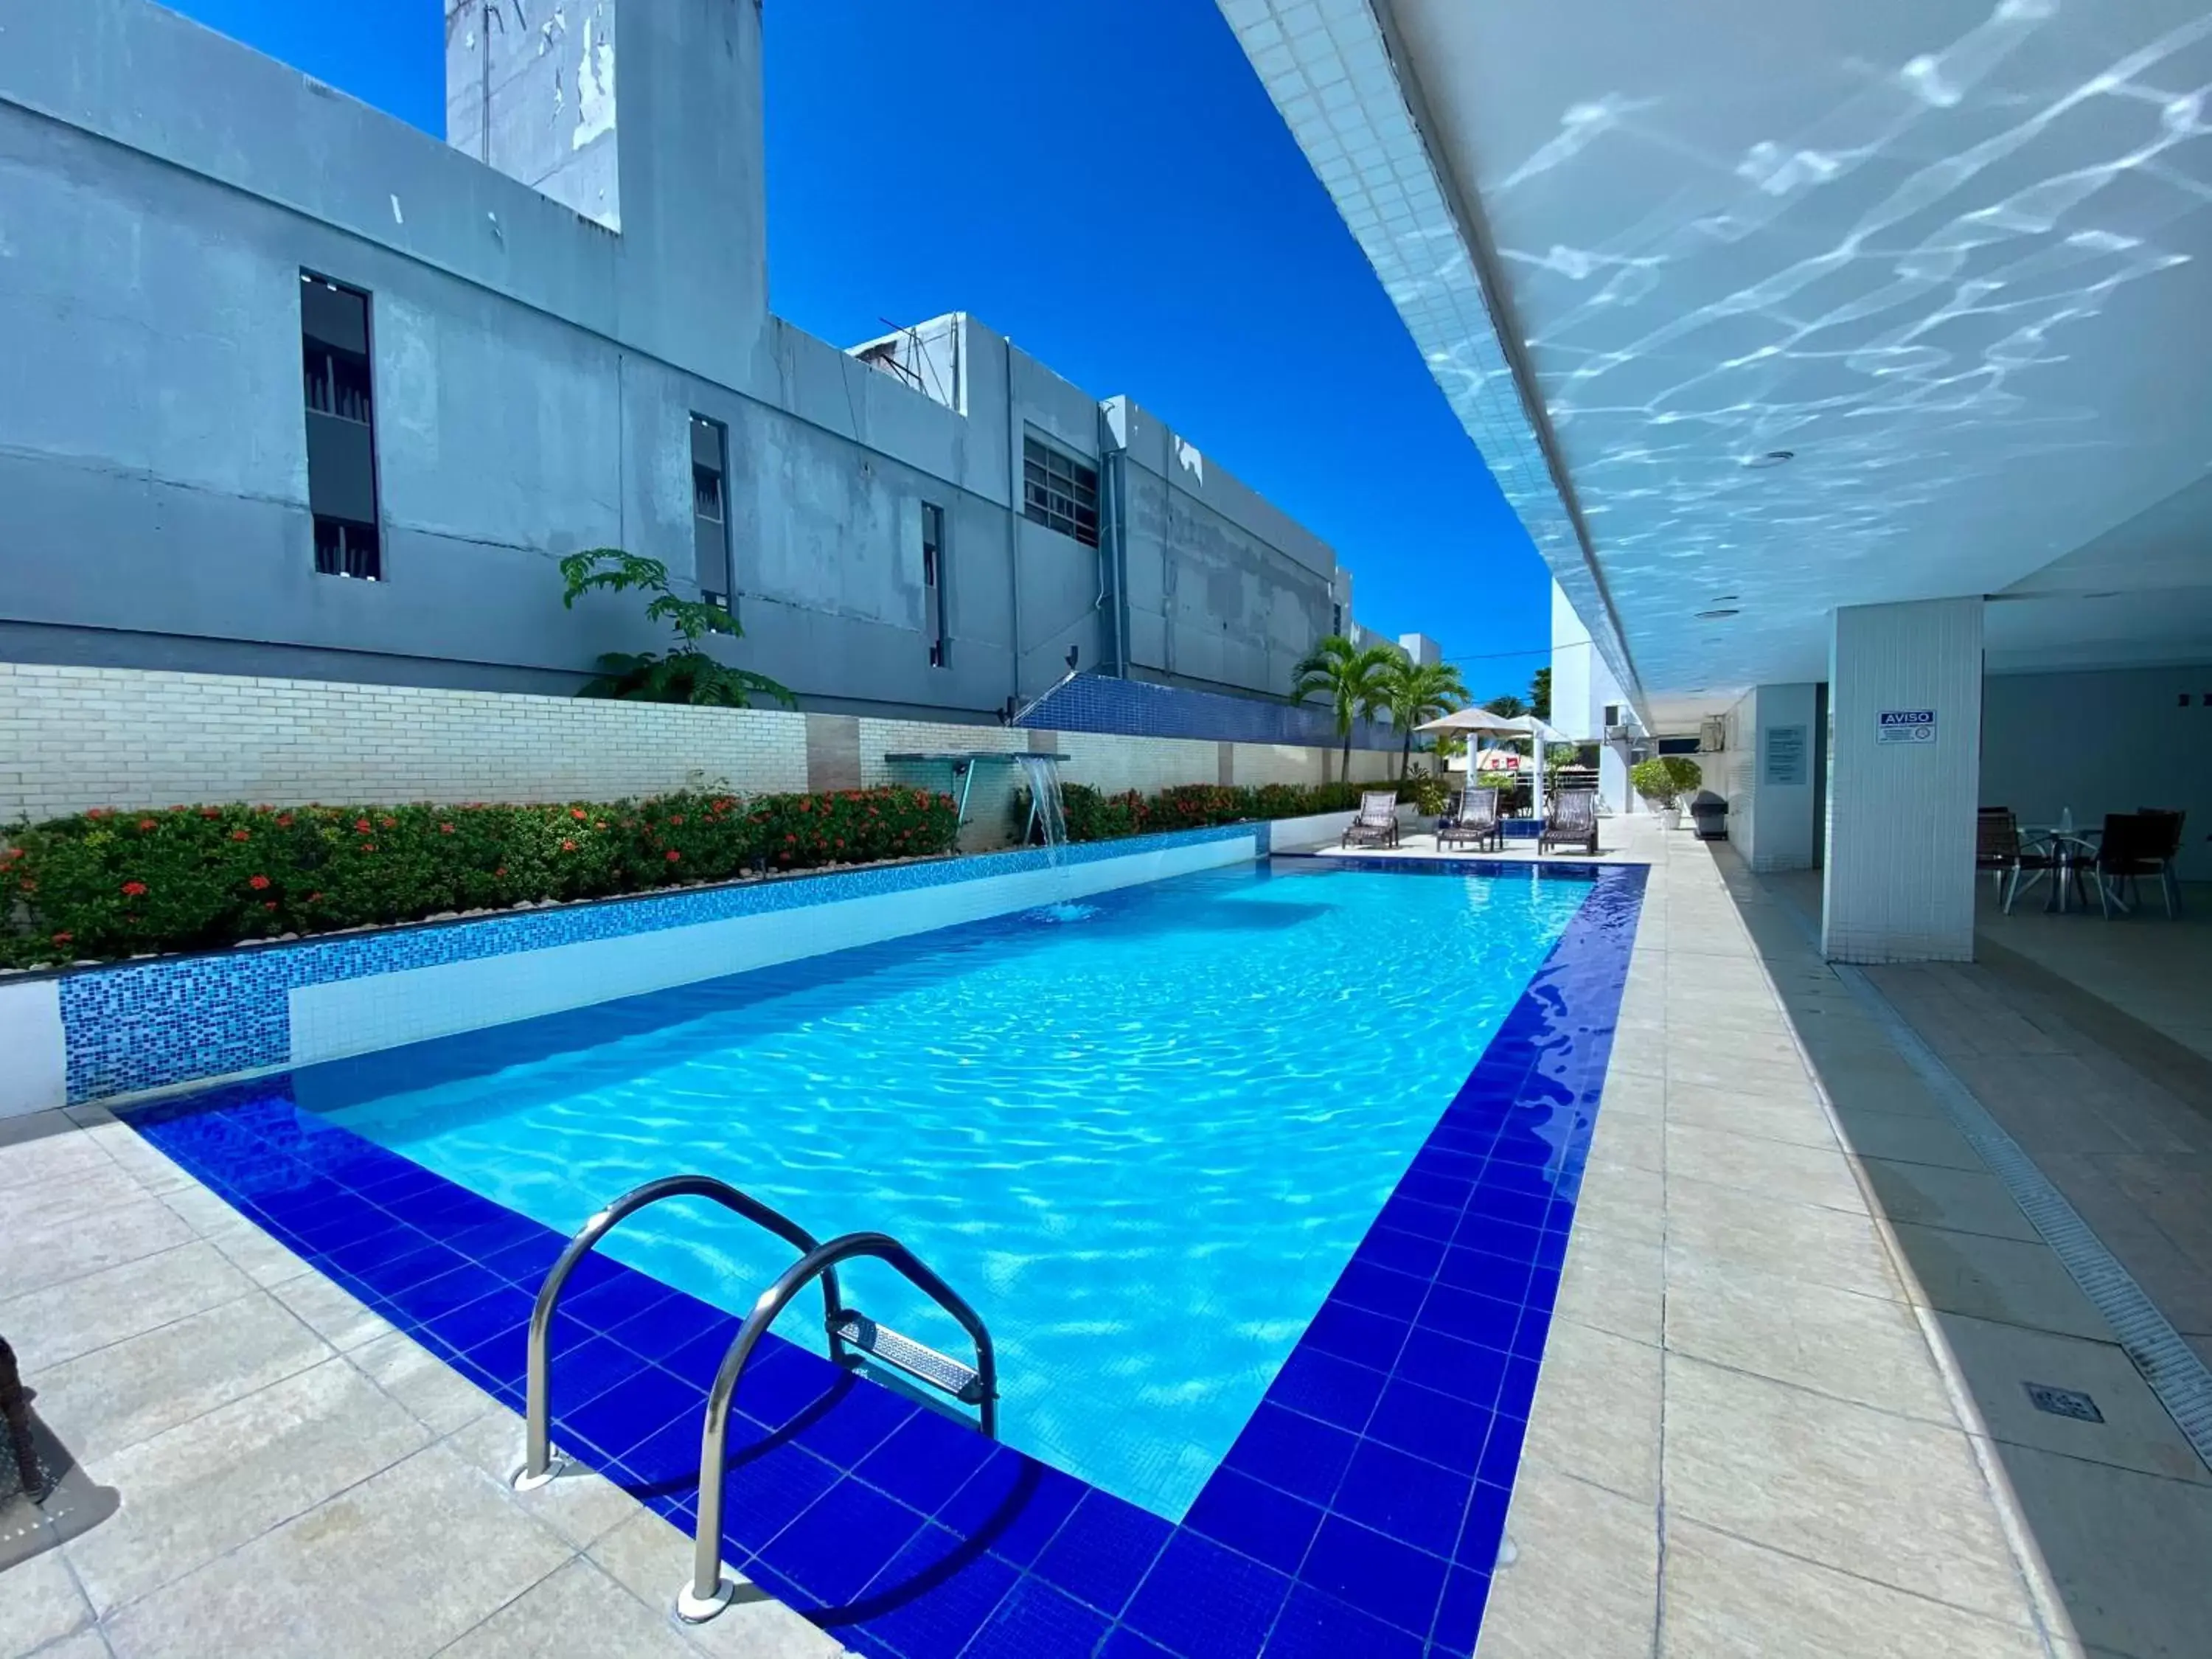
(2069,848)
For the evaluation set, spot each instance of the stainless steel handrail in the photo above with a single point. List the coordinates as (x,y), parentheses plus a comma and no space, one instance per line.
(706,1594)
(537,1449)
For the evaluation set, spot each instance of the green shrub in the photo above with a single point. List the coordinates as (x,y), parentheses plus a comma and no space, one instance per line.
(1093,815)
(116,883)
(1665,778)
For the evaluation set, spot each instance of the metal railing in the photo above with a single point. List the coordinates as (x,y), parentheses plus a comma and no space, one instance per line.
(708,1593)
(537,1462)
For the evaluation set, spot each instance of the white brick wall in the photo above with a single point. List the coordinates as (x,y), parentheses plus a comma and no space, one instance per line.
(77,738)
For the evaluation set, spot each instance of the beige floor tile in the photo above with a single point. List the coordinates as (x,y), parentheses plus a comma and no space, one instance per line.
(1798,1121)
(1999,1361)
(84,1188)
(1892,1499)
(2127,1551)
(1596,1413)
(1636,1139)
(1868,1349)
(59,1244)
(257,1255)
(437,1394)
(339,1317)
(85,1645)
(1729,1600)
(1584,1578)
(43,1149)
(1774,1080)
(208,1485)
(1821,1246)
(2000,1279)
(1715,1034)
(1774,1169)
(581,1506)
(652,1560)
(1963,1200)
(131,1391)
(1619,1201)
(40,1603)
(50,1327)
(579,1613)
(371,1573)
(1904,1138)
(1615,1283)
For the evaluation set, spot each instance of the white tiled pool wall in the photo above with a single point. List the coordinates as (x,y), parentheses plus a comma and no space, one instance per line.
(182,1014)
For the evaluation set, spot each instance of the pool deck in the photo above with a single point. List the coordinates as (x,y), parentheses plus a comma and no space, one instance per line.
(1775,1415)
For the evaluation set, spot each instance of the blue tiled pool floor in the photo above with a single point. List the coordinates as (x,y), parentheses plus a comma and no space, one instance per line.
(1358,1512)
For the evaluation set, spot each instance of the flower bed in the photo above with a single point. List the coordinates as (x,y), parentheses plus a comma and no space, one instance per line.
(114,884)
(1093,815)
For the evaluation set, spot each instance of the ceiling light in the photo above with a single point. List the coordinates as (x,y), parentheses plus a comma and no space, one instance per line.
(1707,616)
(1772,458)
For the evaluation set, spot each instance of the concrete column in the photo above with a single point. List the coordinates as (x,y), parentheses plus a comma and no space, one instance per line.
(1905,708)
(1770,805)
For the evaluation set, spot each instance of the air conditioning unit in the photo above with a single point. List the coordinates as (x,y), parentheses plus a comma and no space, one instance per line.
(1619,734)
(1712,736)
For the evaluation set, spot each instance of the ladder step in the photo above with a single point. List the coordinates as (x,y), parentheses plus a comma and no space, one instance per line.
(903,1353)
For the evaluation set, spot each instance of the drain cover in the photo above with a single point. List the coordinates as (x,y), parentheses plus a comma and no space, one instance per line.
(2063,1402)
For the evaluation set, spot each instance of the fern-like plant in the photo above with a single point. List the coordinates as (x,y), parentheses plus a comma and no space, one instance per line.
(686,673)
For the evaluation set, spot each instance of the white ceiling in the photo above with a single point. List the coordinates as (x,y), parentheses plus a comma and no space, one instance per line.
(1957,257)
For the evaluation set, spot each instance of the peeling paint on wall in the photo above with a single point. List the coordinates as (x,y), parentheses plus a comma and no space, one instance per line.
(1192,462)
(595,87)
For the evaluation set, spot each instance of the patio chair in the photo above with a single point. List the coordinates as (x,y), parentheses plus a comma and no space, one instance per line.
(1999,849)
(1376,823)
(2133,845)
(2169,821)
(1572,821)
(1471,816)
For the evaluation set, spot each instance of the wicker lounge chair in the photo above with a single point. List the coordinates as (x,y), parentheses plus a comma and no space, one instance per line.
(1376,823)
(1572,821)
(1472,816)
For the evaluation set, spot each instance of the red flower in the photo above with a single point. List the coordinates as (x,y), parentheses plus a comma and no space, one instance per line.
(361,825)
(673,855)
(242,834)
(368,846)
(445,829)
(841,841)
(501,870)
(389,824)
(257,883)
(567,846)
(679,818)
(145,824)
(30,885)
(806,803)
(133,889)
(210,812)
(269,904)
(577,812)
(311,898)
(790,839)
(284,821)
(64,939)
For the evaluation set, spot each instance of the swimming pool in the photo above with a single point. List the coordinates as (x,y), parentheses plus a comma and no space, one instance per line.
(1142,1133)
(1360,1503)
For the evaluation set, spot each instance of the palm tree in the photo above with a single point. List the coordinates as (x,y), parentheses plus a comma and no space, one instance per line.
(1418,691)
(1508,707)
(1352,677)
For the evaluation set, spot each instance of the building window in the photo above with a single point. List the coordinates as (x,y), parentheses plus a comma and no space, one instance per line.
(1336,621)
(1613,715)
(933,585)
(710,516)
(337,389)
(1059,492)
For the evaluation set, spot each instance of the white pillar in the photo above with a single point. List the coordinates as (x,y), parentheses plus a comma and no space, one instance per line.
(1771,777)
(1904,703)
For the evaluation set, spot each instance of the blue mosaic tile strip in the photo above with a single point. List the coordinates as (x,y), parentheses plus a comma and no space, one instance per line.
(149,1025)
(1137,708)
(1359,1512)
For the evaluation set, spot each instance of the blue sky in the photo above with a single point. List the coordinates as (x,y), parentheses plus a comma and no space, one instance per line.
(1108,183)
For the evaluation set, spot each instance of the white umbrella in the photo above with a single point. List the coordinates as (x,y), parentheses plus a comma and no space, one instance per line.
(1527,726)
(1477,723)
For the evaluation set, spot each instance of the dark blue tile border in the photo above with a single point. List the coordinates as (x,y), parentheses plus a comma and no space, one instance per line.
(1358,1513)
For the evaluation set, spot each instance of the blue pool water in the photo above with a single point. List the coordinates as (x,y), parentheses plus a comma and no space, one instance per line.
(1142,1133)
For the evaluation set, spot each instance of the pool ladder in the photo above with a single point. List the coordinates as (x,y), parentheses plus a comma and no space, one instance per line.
(852,1335)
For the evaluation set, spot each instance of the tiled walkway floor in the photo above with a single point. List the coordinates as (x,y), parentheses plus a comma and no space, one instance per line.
(1744,1441)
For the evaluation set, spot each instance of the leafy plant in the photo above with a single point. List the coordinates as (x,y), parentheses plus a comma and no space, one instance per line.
(1429,794)
(1419,691)
(1665,778)
(1507,706)
(109,883)
(687,673)
(1350,677)
(1540,693)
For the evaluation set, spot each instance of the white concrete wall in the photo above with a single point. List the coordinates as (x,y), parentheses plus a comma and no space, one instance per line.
(1770,823)
(33,1052)
(1581,689)
(1899,877)
(2098,742)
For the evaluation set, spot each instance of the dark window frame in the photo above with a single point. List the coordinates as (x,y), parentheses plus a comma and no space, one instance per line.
(340,383)
(719,498)
(1059,491)
(933,585)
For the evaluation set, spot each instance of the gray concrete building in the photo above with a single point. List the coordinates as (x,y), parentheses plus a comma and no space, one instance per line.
(290,387)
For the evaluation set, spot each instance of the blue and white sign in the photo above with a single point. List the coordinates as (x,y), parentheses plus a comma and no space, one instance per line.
(1906,725)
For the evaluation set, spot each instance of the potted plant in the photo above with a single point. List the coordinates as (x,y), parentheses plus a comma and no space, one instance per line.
(1664,780)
